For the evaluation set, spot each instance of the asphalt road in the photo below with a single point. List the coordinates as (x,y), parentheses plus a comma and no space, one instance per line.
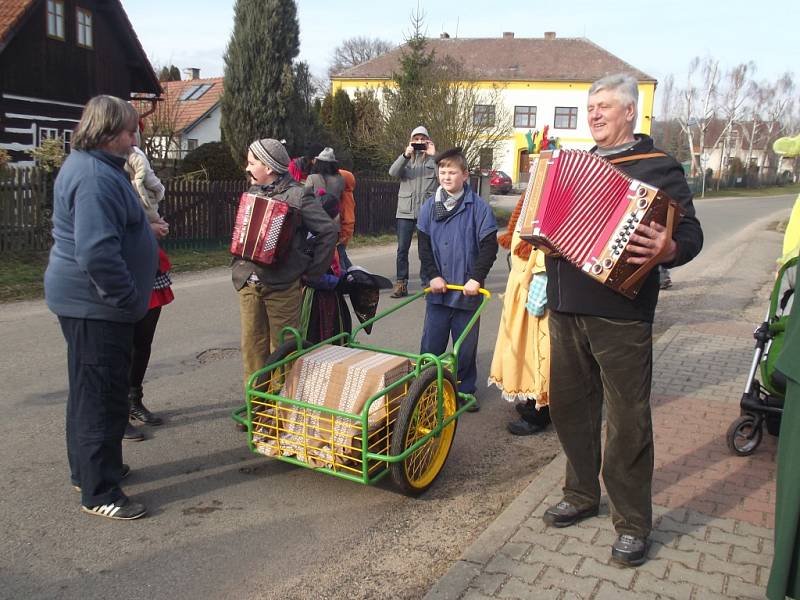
(224,523)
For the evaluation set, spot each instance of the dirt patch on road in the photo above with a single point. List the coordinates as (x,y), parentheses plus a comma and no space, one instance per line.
(414,546)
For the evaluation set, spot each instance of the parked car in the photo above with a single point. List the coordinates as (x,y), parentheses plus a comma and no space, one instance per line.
(499,182)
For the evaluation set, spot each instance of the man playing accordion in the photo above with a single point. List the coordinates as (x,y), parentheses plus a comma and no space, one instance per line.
(601,341)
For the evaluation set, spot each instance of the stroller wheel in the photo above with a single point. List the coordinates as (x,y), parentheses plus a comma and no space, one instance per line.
(744,435)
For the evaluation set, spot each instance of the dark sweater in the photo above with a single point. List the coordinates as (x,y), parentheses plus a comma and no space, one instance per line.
(104,256)
(571,291)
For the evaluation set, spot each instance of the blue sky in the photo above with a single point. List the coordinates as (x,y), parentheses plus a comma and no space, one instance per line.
(658,38)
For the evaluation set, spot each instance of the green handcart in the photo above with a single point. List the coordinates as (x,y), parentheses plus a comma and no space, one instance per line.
(404,430)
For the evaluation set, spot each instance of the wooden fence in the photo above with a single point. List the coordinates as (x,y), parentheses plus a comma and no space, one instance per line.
(25,210)
(200,213)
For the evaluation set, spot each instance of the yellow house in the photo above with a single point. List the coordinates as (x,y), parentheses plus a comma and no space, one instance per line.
(543,82)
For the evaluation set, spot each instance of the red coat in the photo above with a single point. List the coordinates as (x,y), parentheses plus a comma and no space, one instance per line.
(162,296)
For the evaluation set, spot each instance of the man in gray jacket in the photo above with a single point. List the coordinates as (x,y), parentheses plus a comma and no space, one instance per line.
(417,172)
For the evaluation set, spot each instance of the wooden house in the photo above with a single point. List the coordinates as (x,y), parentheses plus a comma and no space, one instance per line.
(54,56)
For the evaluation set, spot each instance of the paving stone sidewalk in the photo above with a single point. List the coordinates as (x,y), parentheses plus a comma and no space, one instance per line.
(713,511)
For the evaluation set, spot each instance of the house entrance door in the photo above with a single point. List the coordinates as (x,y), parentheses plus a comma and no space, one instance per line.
(524,165)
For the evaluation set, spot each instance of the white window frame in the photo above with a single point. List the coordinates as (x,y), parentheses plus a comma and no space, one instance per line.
(83,27)
(46,133)
(66,135)
(55,19)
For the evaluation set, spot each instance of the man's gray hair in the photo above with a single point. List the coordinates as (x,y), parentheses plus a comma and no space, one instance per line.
(103,119)
(625,86)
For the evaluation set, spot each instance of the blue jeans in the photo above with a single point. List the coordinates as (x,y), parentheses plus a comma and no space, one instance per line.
(405,231)
(98,362)
(442,323)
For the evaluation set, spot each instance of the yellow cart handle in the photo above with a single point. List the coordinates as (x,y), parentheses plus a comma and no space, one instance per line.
(460,288)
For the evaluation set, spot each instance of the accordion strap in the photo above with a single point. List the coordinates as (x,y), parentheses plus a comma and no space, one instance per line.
(624,159)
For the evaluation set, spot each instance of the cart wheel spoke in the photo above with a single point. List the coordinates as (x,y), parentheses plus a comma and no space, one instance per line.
(417,421)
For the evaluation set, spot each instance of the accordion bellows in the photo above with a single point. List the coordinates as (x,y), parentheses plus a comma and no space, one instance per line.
(263,229)
(580,207)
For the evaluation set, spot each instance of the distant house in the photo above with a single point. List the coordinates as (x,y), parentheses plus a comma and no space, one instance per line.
(543,82)
(187,117)
(54,56)
(748,142)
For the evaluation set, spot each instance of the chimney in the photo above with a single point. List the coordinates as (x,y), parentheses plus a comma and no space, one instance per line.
(549,35)
(192,72)
(444,35)
(508,34)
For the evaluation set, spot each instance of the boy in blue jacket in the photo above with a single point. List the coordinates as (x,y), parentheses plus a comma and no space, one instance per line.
(457,237)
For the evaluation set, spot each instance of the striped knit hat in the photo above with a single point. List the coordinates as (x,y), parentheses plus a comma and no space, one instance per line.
(272,153)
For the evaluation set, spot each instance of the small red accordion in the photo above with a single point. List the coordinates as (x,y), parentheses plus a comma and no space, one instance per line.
(263,229)
(582,208)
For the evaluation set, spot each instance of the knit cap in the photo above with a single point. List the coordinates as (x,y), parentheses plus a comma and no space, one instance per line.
(272,153)
(421,130)
(327,155)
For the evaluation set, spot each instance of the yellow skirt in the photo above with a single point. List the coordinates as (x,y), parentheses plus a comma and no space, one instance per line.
(521,361)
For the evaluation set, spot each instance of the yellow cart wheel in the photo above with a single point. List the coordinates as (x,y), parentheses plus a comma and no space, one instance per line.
(416,419)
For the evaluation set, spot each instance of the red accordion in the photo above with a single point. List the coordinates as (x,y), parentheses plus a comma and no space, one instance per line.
(582,208)
(263,230)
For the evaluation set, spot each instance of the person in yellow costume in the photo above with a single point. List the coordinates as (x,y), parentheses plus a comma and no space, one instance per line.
(521,361)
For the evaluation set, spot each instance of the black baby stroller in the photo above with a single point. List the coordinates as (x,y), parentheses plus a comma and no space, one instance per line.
(762,400)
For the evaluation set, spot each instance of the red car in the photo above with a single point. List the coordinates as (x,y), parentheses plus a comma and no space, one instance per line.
(499,182)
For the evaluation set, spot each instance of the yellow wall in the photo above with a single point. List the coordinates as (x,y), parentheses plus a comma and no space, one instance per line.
(518,141)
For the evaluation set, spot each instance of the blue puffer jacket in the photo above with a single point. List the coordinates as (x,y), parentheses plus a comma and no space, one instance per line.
(104,256)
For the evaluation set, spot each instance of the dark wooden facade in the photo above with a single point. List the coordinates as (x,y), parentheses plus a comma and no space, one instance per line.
(45,81)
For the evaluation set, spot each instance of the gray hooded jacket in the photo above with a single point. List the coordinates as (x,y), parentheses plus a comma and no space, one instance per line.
(418,181)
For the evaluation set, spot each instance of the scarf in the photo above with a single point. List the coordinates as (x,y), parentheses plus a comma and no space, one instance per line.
(444,204)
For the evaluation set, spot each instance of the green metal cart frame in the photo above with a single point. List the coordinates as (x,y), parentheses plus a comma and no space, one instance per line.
(411,440)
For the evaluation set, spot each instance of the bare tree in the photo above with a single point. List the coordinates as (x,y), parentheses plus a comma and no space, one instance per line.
(357,50)
(667,97)
(698,103)
(756,98)
(708,94)
(779,105)
(161,135)
(733,101)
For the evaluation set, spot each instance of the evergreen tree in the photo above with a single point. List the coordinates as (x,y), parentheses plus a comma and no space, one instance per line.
(259,78)
(169,73)
(305,123)
(366,133)
(417,64)
(442,95)
(343,117)
(326,111)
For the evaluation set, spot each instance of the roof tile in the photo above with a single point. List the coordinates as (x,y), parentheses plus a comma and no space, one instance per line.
(187,112)
(512,59)
(11,11)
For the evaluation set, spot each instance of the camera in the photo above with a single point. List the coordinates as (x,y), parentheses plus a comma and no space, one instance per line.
(419,146)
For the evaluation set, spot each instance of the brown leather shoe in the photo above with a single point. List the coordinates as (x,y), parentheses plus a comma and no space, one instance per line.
(400,290)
